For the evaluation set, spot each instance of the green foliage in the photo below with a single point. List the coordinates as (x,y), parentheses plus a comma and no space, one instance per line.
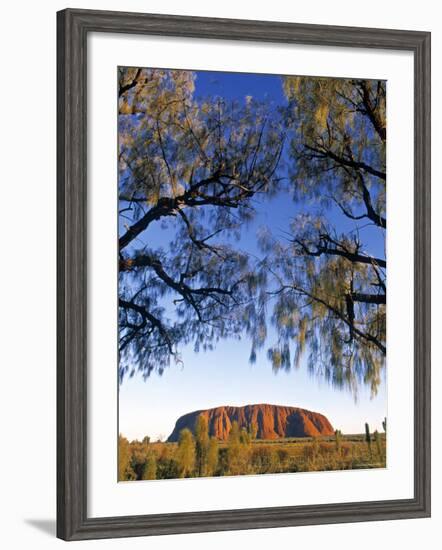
(212,457)
(234,433)
(125,471)
(329,290)
(150,468)
(140,450)
(185,454)
(167,468)
(237,457)
(245,437)
(378,442)
(201,445)
(340,136)
(368,437)
(315,447)
(264,459)
(282,459)
(338,440)
(195,167)
(253,430)
(238,449)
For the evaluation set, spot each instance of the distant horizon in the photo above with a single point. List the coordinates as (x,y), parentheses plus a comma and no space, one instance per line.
(212,379)
(260,404)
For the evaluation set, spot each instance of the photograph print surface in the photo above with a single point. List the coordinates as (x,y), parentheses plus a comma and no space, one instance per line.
(252,274)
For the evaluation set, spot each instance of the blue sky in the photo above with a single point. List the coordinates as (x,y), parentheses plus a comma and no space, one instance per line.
(225,376)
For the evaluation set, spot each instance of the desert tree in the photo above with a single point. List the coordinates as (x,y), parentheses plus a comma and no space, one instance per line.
(185,454)
(192,168)
(125,471)
(245,437)
(238,450)
(201,445)
(234,460)
(338,440)
(140,451)
(377,439)
(253,430)
(368,437)
(150,467)
(212,456)
(329,271)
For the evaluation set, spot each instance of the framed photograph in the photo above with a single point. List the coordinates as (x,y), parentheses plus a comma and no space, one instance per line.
(231,352)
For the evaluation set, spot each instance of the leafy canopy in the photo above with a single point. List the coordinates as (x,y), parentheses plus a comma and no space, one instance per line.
(190,172)
(330,288)
(192,168)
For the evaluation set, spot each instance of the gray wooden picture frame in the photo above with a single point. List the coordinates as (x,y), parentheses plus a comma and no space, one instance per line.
(73,27)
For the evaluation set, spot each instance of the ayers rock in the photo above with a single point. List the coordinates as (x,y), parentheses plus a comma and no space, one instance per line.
(272,421)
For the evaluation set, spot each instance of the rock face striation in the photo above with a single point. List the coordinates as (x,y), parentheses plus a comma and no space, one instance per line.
(270,421)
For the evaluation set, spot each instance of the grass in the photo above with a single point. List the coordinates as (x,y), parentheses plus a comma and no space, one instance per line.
(326,453)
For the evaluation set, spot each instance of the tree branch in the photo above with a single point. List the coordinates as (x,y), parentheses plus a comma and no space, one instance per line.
(368,298)
(188,293)
(371,213)
(370,110)
(366,336)
(165,206)
(345,253)
(147,316)
(358,165)
(126,87)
